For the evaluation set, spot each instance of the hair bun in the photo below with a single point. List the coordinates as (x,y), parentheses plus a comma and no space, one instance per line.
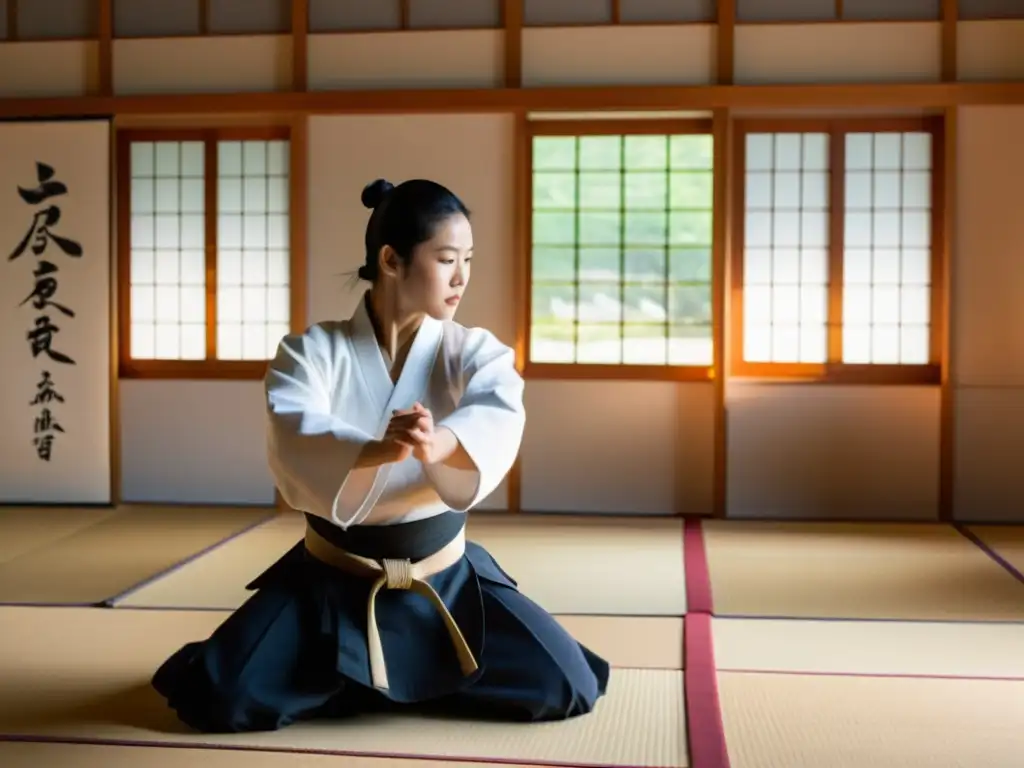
(375,192)
(365,273)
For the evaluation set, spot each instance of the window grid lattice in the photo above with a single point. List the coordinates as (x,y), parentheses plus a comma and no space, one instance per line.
(168,261)
(785,259)
(169,225)
(622,250)
(882,220)
(887,248)
(252,248)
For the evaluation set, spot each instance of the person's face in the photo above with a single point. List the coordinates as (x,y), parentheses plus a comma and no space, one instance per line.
(438,273)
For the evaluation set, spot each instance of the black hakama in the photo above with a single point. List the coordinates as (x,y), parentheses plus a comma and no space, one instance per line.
(297,649)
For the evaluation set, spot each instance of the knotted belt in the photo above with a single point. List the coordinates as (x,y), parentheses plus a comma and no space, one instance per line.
(397,574)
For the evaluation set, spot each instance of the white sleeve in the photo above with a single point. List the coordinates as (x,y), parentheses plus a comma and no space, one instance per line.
(488,422)
(311,452)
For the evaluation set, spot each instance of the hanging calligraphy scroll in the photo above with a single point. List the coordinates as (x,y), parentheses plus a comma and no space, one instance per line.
(55,369)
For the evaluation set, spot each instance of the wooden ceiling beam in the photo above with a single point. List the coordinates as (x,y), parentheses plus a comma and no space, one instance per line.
(560,99)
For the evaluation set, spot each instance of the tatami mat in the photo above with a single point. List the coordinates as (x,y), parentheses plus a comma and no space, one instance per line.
(619,566)
(856,571)
(811,721)
(117,552)
(1006,541)
(83,674)
(569,566)
(24,529)
(940,649)
(217,579)
(57,755)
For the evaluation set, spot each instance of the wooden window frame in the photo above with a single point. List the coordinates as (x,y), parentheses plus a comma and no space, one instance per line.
(834,370)
(210,367)
(607,371)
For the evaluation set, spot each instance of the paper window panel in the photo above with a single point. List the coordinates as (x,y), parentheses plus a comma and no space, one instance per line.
(167,251)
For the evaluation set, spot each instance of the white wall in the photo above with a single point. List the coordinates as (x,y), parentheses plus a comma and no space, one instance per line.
(874,52)
(793,451)
(988,333)
(804,451)
(198,442)
(618,447)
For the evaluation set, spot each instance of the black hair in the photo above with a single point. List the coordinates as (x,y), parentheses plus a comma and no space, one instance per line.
(403,217)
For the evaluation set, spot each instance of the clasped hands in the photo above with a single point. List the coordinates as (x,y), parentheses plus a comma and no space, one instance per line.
(412,433)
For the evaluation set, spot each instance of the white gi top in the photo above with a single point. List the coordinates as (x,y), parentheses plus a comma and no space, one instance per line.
(329,391)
